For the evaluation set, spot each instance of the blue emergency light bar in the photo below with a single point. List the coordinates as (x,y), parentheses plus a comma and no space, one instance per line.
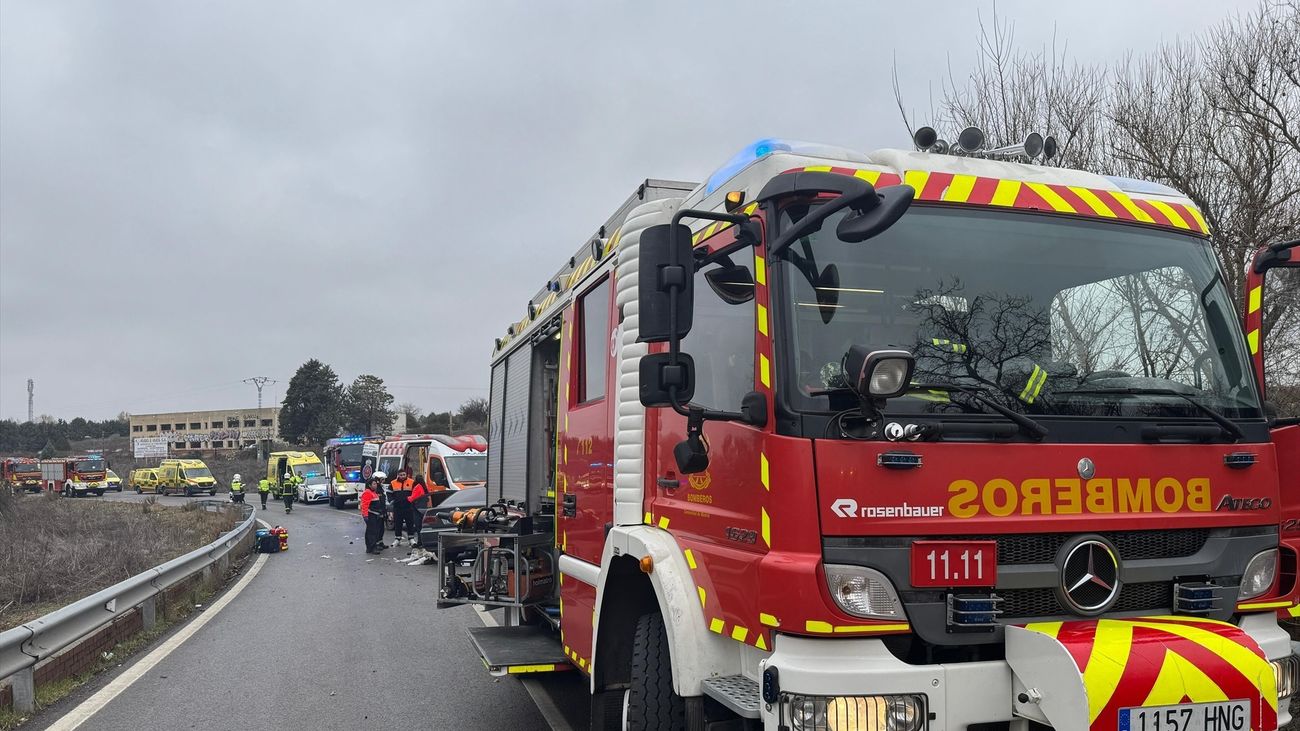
(353,439)
(769,145)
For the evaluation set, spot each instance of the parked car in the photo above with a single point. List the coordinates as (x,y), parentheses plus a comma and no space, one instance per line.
(113,482)
(437,519)
(144,480)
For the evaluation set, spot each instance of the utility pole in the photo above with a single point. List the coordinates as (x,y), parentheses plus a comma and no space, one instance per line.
(31,390)
(260,382)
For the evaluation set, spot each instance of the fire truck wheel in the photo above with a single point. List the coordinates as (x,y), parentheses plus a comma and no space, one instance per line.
(651,702)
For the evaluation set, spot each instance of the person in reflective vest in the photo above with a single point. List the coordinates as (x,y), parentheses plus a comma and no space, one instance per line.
(401,505)
(263,490)
(289,490)
(236,489)
(373,506)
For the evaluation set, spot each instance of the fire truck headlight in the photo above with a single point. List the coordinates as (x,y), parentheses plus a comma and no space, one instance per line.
(1287,673)
(879,374)
(854,713)
(863,592)
(1259,575)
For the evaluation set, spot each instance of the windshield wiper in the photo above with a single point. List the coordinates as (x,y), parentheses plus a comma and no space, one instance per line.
(1230,428)
(1026,424)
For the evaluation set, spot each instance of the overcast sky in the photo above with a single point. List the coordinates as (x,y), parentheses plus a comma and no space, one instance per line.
(195,193)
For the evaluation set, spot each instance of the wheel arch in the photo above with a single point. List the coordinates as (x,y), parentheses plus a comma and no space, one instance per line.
(625,593)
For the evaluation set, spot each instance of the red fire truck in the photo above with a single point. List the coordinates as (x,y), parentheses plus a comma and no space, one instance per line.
(900,441)
(21,473)
(75,476)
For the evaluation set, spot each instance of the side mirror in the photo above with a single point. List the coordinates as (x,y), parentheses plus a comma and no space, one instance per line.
(666,279)
(661,372)
(733,284)
(879,374)
(874,214)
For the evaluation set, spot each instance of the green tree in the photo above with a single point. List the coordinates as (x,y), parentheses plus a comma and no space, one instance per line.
(312,409)
(368,405)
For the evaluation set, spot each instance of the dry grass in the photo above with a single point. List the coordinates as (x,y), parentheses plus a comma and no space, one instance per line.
(57,550)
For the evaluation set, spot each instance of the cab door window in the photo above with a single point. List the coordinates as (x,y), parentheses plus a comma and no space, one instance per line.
(594,346)
(437,473)
(721,340)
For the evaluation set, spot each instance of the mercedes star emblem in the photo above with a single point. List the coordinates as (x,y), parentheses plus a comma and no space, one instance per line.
(1089,576)
(1086,468)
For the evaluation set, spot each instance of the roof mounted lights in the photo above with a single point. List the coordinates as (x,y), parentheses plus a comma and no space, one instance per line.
(970,142)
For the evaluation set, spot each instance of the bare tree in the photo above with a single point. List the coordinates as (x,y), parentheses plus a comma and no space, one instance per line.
(1215,116)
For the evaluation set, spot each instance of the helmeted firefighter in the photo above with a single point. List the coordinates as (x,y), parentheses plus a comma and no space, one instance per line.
(236,490)
(264,491)
(289,490)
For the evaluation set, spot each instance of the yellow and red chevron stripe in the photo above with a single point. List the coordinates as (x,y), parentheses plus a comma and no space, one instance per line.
(1158,661)
(1052,197)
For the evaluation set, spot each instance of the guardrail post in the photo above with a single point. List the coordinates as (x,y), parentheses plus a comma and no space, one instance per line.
(24,690)
(149,613)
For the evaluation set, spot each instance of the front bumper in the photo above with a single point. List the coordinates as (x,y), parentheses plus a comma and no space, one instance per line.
(316,495)
(1151,670)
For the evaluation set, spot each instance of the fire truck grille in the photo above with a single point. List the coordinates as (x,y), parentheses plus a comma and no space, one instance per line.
(1018,603)
(1137,545)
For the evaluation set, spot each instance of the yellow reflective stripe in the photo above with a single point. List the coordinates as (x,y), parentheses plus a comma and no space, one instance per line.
(768,620)
(1005,194)
(716,625)
(760,271)
(759,643)
(648,519)
(1127,202)
(663,522)
(1265,605)
(749,209)
(1256,294)
(762,319)
(515,669)
(1177,678)
(960,188)
(857,629)
(1051,629)
(871,176)
(818,169)
(1170,213)
(916,179)
(814,625)
(1252,339)
(739,633)
(1294,611)
(1110,650)
(690,558)
(1200,220)
(763,470)
(703,595)
(1034,385)
(1236,655)
(1089,197)
(1052,198)
(767,528)
(764,371)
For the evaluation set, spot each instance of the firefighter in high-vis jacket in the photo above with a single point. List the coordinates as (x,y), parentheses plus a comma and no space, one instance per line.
(264,491)
(237,489)
(289,490)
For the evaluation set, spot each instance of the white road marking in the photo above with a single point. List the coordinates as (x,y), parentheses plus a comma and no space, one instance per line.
(550,713)
(92,705)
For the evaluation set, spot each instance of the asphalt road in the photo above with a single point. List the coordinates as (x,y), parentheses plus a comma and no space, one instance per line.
(325,636)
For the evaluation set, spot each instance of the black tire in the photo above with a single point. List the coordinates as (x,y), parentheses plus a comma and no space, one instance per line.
(651,702)
(212,493)
(99,493)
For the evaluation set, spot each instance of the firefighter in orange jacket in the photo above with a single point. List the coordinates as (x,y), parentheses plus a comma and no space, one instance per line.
(372,511)
(403,520)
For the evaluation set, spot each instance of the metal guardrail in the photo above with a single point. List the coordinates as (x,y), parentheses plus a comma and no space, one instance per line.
(26,645)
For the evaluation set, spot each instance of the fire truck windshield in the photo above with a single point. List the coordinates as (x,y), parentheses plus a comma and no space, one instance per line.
(1026,307)
(24,467)
(349,455)
(90,465)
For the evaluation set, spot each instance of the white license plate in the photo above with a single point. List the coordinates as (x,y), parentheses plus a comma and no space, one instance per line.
(1219,716)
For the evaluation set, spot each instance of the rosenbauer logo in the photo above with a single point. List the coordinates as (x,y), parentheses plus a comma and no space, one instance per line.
(848,508)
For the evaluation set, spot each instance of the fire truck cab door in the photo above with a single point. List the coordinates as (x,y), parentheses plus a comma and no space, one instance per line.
(1285,258)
